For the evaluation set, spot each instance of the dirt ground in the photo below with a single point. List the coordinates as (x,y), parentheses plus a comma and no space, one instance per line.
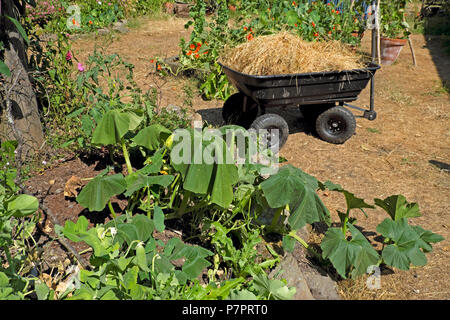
(390,155)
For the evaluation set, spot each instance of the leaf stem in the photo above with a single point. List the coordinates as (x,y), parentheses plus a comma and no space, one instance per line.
(127,157)
(294,235)
(276,217)
(111,209)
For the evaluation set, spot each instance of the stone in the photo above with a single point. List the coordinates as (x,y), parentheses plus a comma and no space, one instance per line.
(321,285)
(103,31)
(288,269)
(122,28)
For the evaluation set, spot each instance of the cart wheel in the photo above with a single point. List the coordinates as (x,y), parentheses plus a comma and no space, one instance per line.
(336,125)
(270,121)
(232,110)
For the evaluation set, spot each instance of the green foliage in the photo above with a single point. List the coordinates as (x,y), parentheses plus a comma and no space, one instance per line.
(392,19)
(17,223)
(406,244)
(294,188)
(241,262)
(352,256)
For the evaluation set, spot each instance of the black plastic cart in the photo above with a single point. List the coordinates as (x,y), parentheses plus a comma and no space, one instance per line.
(320,96)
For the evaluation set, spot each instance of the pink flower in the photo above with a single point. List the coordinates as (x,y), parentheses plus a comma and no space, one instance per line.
(68,56)
(80,67)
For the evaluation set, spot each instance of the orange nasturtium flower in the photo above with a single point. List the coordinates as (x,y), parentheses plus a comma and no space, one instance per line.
(74,21)
(192,46)
(189,53)
(313,24)
(245,28)
(197,56)
(90,21)
(333,11)
(152,60)
(206,52)
(250,37)
(159,67)
(316,34)
(293,3)
(337,11)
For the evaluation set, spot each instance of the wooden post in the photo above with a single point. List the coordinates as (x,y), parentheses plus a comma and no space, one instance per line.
(378,32)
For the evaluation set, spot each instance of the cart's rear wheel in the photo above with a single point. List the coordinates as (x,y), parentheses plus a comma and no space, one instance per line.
(275,127)
(232,111)
(336,125)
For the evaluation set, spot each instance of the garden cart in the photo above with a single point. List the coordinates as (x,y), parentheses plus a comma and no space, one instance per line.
(320,97)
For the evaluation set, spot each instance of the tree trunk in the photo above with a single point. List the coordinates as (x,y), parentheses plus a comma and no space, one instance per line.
(18,88)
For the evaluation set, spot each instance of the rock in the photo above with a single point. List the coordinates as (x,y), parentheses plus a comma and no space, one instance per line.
(288,269)
(321,285)
(103,31)
(122,28)
(196,120)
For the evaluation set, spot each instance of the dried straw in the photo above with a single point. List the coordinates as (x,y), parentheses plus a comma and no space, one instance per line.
(284,53)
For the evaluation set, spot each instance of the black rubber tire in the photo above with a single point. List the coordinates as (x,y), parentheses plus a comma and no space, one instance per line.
(232,111)
(336,125)
(270,121)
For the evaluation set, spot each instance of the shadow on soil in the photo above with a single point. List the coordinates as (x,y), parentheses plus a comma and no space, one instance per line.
(437,35)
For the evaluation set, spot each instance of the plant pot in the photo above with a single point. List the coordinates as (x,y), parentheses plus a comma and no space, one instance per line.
(390,49)
(182,9)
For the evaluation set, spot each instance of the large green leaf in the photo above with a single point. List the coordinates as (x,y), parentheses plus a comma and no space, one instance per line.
(213,178)
(406,247)
(427,237)
(137,181)
(353,256)
(19,28)
(291,186)
(4,69)
(23,205)
(152,137)
(96,194)
(79,232)
(397,207)
(194,257)
(111,128)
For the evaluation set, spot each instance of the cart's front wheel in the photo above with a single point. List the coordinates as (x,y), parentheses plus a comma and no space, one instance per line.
(233,110)
(336,125)
(274,128)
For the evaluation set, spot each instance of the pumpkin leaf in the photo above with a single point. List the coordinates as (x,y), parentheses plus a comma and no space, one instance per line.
(405,249)
(348,256)
(111,128)
(397,207)
(152,137)
(291,186)
(96,194)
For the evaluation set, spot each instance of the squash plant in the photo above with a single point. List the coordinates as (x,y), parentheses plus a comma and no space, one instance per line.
(17,223)
(352,254)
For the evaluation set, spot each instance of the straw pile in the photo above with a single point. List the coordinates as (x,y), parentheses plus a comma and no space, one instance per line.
(284,53)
